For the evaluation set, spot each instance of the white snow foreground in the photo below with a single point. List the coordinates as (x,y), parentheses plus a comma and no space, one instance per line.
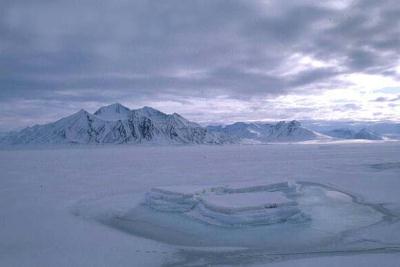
(230,206)
(67,206)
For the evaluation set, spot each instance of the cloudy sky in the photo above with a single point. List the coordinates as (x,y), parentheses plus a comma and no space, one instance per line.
(210,60)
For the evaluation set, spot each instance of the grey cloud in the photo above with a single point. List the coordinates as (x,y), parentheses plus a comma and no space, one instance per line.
(352,106)
(381,99)
(387,99)
(105,51)
(346,107)
(365,39)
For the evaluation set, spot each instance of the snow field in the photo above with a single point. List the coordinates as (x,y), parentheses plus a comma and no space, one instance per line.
(74,206)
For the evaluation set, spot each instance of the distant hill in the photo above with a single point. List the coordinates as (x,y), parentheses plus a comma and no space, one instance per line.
(282,131)
(384,129)
(345,133)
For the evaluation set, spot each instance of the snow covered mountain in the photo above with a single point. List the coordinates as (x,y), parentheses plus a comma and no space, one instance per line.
(117,124)
(113,112)
(384,129)
(282,131)
(345,133)
(367,134)
(342,133)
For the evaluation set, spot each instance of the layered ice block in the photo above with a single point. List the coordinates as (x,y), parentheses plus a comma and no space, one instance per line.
(234,205)
(172,199)
(279,217)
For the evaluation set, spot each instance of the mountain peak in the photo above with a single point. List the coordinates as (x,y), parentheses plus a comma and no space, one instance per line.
(149,111)
(364,133)
(117,107)
(81,112)
(113,112)
(295,123)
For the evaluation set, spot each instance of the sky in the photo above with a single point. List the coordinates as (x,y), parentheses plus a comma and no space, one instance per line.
(209,60)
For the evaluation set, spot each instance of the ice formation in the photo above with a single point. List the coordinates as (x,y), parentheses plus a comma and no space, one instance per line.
(230,205)
(279,217)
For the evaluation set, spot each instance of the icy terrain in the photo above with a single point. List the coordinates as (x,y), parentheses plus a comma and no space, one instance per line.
(201,205)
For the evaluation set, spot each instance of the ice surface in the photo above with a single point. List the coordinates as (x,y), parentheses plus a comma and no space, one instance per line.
(386,165)
(164,199)
(62,206)
(318,210)
(245,201)
(228,205)
(246,216)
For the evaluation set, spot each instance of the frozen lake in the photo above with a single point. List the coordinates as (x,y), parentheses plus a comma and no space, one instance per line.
(54,201)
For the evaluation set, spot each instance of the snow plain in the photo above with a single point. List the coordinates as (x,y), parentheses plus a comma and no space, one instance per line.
(56,202)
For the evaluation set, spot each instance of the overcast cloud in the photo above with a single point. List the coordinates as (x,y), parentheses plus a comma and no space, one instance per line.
(248,60)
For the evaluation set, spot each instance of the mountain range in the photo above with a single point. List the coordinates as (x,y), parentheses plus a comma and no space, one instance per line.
(117,124)
(282,131)
(346,133)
